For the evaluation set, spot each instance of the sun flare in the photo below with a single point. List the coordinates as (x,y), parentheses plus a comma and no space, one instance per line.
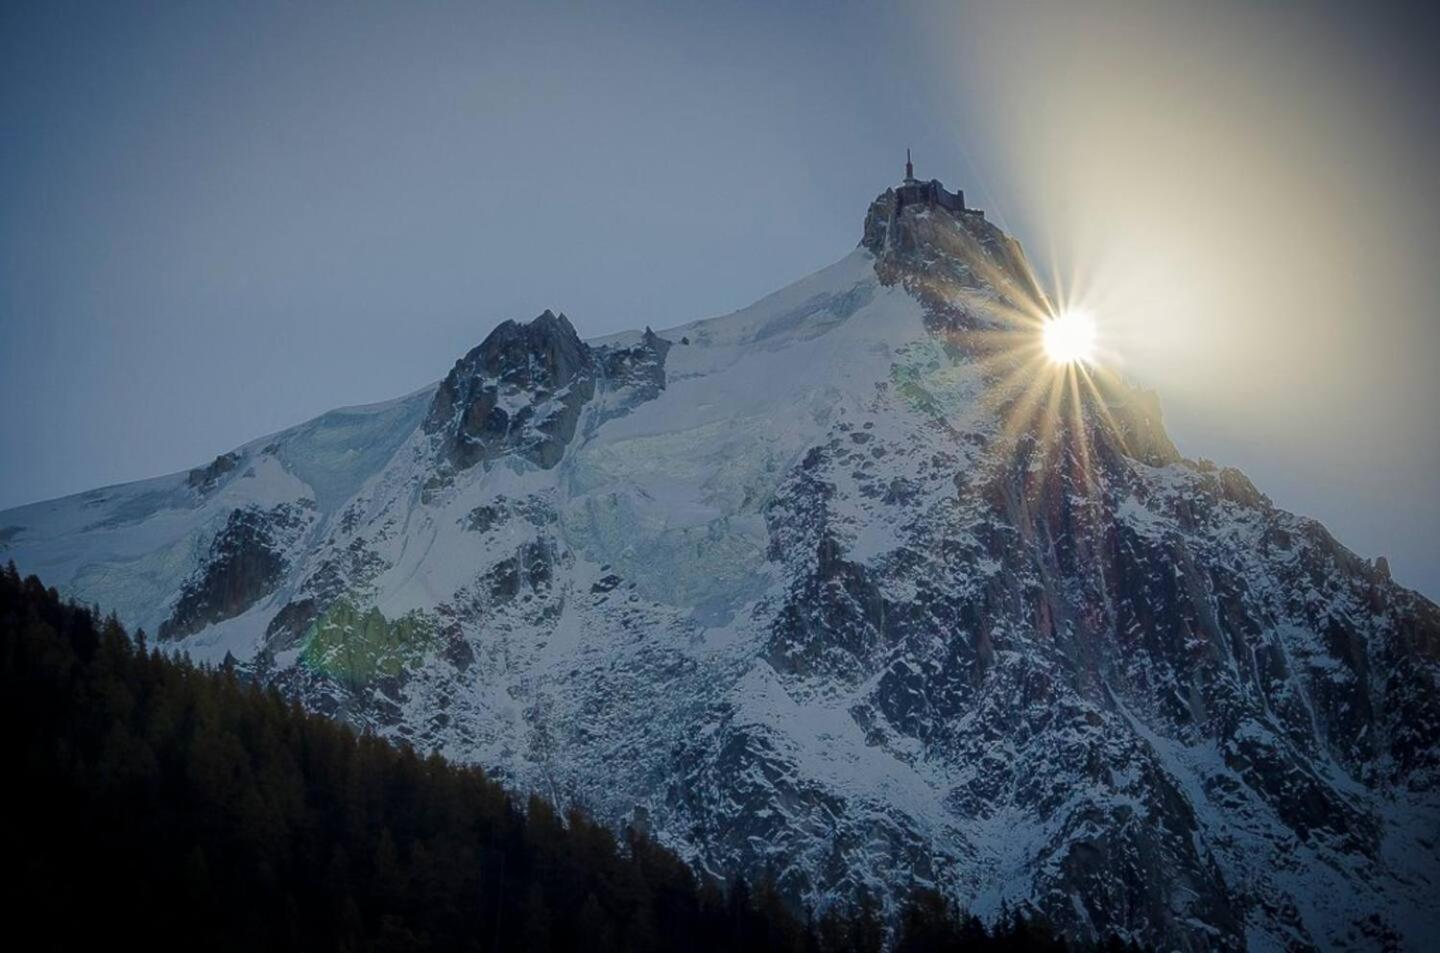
(1070,337)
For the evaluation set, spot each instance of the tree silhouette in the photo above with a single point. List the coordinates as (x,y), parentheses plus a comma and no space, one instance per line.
(159,802)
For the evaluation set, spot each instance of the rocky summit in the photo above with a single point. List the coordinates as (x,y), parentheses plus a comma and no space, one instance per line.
(847,586)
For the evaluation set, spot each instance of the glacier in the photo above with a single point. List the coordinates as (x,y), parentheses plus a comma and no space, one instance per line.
(811,589)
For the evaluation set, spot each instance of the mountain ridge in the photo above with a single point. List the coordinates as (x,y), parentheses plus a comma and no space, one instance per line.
(849,582)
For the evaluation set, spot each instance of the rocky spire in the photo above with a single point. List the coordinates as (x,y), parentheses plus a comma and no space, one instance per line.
(520,391)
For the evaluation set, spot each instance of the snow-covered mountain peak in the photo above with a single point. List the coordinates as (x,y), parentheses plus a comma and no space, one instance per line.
(839,584)
(944,252)
(519,391)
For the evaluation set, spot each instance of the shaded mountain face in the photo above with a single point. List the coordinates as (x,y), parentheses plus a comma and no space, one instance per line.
(519,392)
(847,585)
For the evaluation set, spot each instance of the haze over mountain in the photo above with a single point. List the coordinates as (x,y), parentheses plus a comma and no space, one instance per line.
(850,584)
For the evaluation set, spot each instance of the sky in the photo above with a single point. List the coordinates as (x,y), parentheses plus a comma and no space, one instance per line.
(220,219)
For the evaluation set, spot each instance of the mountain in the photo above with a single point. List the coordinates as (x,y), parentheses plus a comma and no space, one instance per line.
(147,777)
(849,585)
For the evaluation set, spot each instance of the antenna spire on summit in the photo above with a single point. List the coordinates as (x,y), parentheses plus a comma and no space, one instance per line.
(909,169)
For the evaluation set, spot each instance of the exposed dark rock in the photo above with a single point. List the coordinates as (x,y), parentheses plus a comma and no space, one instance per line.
(484,518)
(1078,584)
(344,571)
(835,620)
(459,654)
(531,567)
(936,252)
(520,391)
(290,623)
(1135,695)
(635,373)
(532,509)
(245,563)
(207,478)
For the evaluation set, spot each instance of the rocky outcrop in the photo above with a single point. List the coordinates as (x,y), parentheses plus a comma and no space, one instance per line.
(245,562)
(864,597)
(633,374)
(938,253)
(501,510)
(1171,665)
(205,479)
(640,366)
(348,568)
(1051,665)
(519,392)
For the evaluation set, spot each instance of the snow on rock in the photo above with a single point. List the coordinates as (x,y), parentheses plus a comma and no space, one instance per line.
(793,587)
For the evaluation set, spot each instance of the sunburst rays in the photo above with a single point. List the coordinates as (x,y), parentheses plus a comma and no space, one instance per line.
(1052,413)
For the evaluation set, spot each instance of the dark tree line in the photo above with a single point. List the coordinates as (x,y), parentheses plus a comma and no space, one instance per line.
(155,801)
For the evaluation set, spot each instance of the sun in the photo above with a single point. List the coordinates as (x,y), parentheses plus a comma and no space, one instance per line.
(1070,337)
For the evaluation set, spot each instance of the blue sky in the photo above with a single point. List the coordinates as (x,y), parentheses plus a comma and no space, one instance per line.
(217,219)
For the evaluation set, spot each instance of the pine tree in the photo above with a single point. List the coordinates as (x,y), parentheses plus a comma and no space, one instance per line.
(149,779)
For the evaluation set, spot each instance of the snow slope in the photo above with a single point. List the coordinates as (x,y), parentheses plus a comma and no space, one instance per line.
(804,588)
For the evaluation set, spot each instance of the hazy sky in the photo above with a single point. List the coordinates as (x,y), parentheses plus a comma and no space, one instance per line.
(219,219)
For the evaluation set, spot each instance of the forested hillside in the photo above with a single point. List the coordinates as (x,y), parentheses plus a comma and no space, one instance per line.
(158,802)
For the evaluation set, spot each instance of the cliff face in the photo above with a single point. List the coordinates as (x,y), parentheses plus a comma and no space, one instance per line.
(846,585)
(519,392)
(1237,700)
(245,563)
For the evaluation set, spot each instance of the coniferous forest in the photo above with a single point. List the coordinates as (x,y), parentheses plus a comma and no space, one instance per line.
(154,801)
